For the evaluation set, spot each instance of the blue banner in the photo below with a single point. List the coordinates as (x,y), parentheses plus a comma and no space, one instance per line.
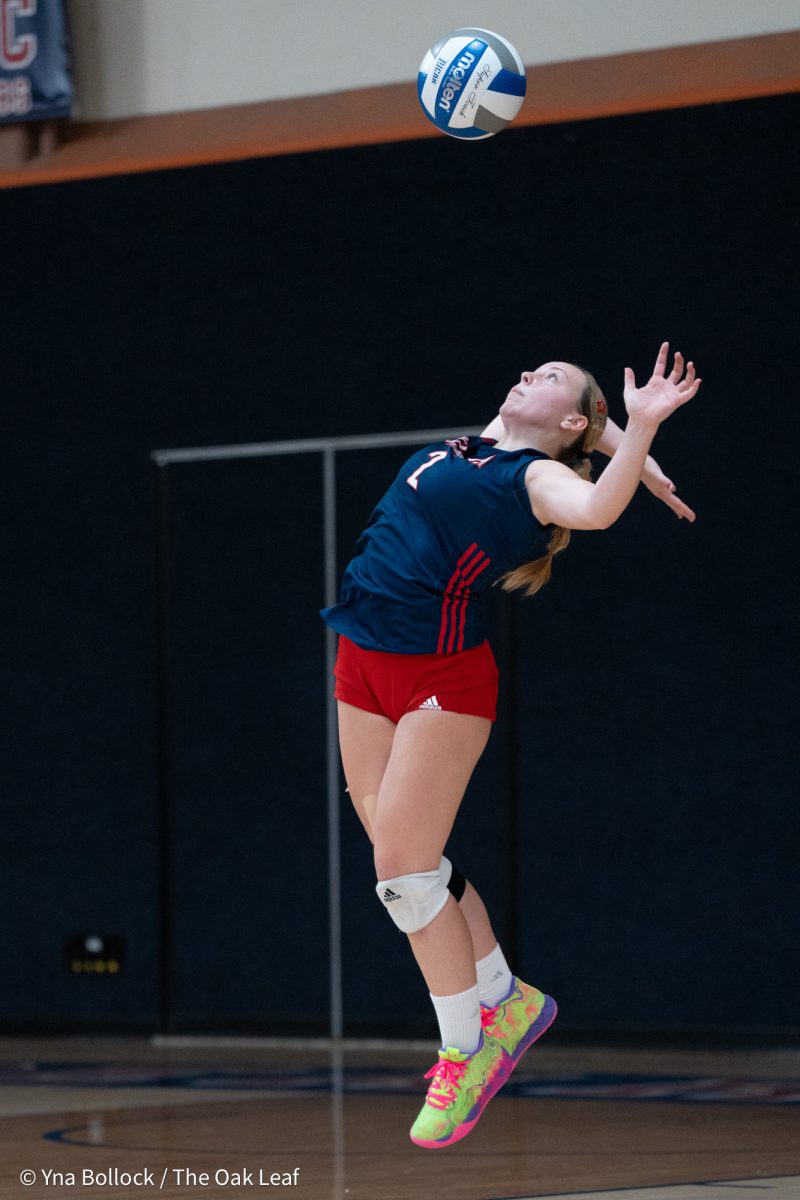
(34,60)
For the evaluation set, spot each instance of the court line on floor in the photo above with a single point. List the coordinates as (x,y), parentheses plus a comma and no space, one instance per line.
(787,1187)
(648,1088)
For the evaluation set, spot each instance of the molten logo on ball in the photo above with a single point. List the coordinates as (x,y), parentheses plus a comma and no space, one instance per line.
(471,83)
(454,80)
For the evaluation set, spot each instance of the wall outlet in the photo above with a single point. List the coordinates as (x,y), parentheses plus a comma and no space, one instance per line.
(94,954)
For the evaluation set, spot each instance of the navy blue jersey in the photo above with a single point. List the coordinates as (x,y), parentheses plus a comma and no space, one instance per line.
(456,519)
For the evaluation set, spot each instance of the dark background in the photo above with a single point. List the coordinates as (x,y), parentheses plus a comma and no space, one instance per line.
(633,822)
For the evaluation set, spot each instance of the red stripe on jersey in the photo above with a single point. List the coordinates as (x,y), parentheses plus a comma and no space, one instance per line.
(456,596)
(447,591)
(465,602)
(449,594)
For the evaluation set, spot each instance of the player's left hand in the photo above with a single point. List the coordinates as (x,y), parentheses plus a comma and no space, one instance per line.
(663,489)
(663,393)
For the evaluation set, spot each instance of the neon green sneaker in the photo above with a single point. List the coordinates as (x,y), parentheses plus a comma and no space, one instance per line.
(516,1022)
(462,1085)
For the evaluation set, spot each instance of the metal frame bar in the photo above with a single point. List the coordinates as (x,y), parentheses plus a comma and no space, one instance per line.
(358,441)
(161,460)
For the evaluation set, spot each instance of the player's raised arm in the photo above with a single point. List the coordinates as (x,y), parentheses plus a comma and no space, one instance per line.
(559,497)
(653,477)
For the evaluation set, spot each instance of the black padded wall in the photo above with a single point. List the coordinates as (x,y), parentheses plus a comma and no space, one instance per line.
(376,289)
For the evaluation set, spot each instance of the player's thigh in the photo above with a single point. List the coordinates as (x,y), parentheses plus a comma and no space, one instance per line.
(365,742)
(432,757)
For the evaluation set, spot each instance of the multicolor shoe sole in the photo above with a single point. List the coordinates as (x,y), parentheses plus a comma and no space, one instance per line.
(539,1026)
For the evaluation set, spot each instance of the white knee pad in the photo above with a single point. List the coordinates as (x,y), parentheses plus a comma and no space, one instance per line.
(413,901)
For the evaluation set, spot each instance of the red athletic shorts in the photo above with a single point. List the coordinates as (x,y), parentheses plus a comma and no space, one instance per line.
(395,684)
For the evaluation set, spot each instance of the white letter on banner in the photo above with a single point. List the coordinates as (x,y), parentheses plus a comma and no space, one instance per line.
(16,52)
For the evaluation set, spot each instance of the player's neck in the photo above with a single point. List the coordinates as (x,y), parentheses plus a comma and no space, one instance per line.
(527,437)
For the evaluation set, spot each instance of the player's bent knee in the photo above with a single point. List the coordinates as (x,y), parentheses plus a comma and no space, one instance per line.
(413,901)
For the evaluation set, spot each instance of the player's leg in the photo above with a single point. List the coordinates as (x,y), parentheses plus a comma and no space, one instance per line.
(433,756)
(365,742)
(513,1012)
(365,737)
(480,926)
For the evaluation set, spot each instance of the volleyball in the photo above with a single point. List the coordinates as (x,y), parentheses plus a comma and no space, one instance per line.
(471,83)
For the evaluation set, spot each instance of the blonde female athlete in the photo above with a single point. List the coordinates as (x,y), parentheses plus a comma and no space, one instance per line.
(416,681)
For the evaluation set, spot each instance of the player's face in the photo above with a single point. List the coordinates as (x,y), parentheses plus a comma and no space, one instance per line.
(546,395)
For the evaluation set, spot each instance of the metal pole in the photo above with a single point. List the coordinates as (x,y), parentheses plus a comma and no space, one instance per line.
(162,459)
(162,748)
(332,750)
(359,441)
(510,751)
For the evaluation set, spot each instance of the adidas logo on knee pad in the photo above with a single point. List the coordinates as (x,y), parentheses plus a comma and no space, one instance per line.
(420,898)
(423,897)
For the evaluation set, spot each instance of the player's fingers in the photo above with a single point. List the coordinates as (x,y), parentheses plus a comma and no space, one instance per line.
(686,392)
(677,367)
(681,509)
(661,360)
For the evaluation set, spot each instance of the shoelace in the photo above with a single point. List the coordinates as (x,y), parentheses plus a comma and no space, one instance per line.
(447,1078)
(488,1022)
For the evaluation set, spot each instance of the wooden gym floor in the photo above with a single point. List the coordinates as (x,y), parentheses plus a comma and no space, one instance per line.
(193,1118)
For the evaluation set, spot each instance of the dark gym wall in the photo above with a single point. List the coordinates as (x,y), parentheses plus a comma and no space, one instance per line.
(373,290)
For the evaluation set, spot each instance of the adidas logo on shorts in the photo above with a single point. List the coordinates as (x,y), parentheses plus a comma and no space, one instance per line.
(431,702)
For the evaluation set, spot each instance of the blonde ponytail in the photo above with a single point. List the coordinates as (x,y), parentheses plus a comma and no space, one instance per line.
(532,576)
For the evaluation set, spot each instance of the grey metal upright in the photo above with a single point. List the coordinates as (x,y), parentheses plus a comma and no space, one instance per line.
(327,448)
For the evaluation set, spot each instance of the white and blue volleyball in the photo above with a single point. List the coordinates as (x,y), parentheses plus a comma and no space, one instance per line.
(471,83)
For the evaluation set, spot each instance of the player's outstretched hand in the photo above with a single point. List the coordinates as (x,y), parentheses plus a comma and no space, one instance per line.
(662,488)
(662,394)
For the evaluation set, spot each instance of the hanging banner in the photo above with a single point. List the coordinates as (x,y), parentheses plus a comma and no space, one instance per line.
(34,60)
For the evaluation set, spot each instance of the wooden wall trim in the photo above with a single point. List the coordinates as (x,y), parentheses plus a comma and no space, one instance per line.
(737,69)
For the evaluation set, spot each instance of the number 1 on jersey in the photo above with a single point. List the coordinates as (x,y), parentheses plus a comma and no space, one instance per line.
(434,457)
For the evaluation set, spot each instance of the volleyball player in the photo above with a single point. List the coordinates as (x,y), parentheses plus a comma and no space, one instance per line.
(416,682)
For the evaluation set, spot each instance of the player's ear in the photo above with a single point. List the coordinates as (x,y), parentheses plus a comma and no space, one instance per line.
(574,423)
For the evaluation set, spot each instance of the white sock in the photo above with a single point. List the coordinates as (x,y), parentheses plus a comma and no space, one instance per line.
(494,978)
(459,1020)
